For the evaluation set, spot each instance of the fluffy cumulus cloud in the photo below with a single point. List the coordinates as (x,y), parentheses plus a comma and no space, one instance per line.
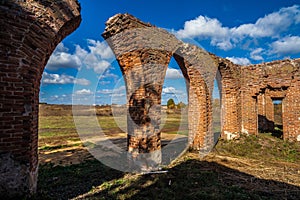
(171,90)
(239,61)
(84,92)
(98,57)
(286,45)
(256,54)
(176,94)
(205,27)
(61,58)
(173,74)
(63,79)
(270,25)
(273,25)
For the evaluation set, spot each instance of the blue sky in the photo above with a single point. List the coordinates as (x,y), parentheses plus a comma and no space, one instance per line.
(246,32)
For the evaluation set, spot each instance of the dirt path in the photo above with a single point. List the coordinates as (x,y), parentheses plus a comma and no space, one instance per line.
(75,152)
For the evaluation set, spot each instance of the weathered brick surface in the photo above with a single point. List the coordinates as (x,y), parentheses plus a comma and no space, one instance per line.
(248,93)
(30,30)
(263,83)
(143,52)
(230,97)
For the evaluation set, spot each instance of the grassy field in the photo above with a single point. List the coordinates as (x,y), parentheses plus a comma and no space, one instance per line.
(262,167)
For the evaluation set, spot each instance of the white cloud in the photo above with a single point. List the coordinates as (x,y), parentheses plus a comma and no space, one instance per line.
(104,82)
(173,74)
(63,79)
(225,38)
(57,99)
(239,61)
(84,92)
(169,90)
(256,54)
(204,27)
(116,95)
(101,49)
(115,91)
(287,45)
(60,58)
(97,58)
(270,25)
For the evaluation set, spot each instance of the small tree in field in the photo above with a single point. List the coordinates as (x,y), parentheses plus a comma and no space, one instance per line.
(181,105)
(171,104)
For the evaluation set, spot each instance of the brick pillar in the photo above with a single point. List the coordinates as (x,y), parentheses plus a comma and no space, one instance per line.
(143,53)
(230,112)
(261,111)
(199,70)
(291,111)
(29,33)
(230,99)
(249,114)
(198,116)
(144,73)
(136,45)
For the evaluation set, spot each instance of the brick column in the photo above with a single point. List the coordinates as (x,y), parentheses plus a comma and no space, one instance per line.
(144,73)
(143,53)
(199,70)
(30,30)
(230,99)
(261,111)
(291,111)
(249,114)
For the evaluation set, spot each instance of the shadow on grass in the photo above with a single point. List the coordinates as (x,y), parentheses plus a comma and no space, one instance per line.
(67,182)
(192,179)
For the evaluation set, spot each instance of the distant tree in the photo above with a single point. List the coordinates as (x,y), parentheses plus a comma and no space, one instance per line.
(171,104)
(181,105)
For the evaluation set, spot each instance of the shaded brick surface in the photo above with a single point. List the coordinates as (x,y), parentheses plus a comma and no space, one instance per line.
(30,30)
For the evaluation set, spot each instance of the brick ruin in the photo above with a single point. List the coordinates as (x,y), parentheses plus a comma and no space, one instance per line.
(33,28)
(30,31)
(248,93)
(144,52)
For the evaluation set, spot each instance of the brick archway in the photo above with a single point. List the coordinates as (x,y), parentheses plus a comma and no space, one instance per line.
(30,31)
(143,53)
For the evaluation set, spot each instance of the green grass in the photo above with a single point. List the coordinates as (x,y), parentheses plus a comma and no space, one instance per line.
(50,148)
(189,178)
(263,146)
(47,122)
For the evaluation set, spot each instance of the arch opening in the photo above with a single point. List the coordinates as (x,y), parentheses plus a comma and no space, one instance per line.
(174,114)
(278,115)
(217,107)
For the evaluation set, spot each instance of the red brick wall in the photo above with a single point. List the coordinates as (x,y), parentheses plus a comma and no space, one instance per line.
(278,80)
(30,31)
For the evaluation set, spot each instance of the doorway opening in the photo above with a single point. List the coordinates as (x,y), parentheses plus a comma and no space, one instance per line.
(278,125)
